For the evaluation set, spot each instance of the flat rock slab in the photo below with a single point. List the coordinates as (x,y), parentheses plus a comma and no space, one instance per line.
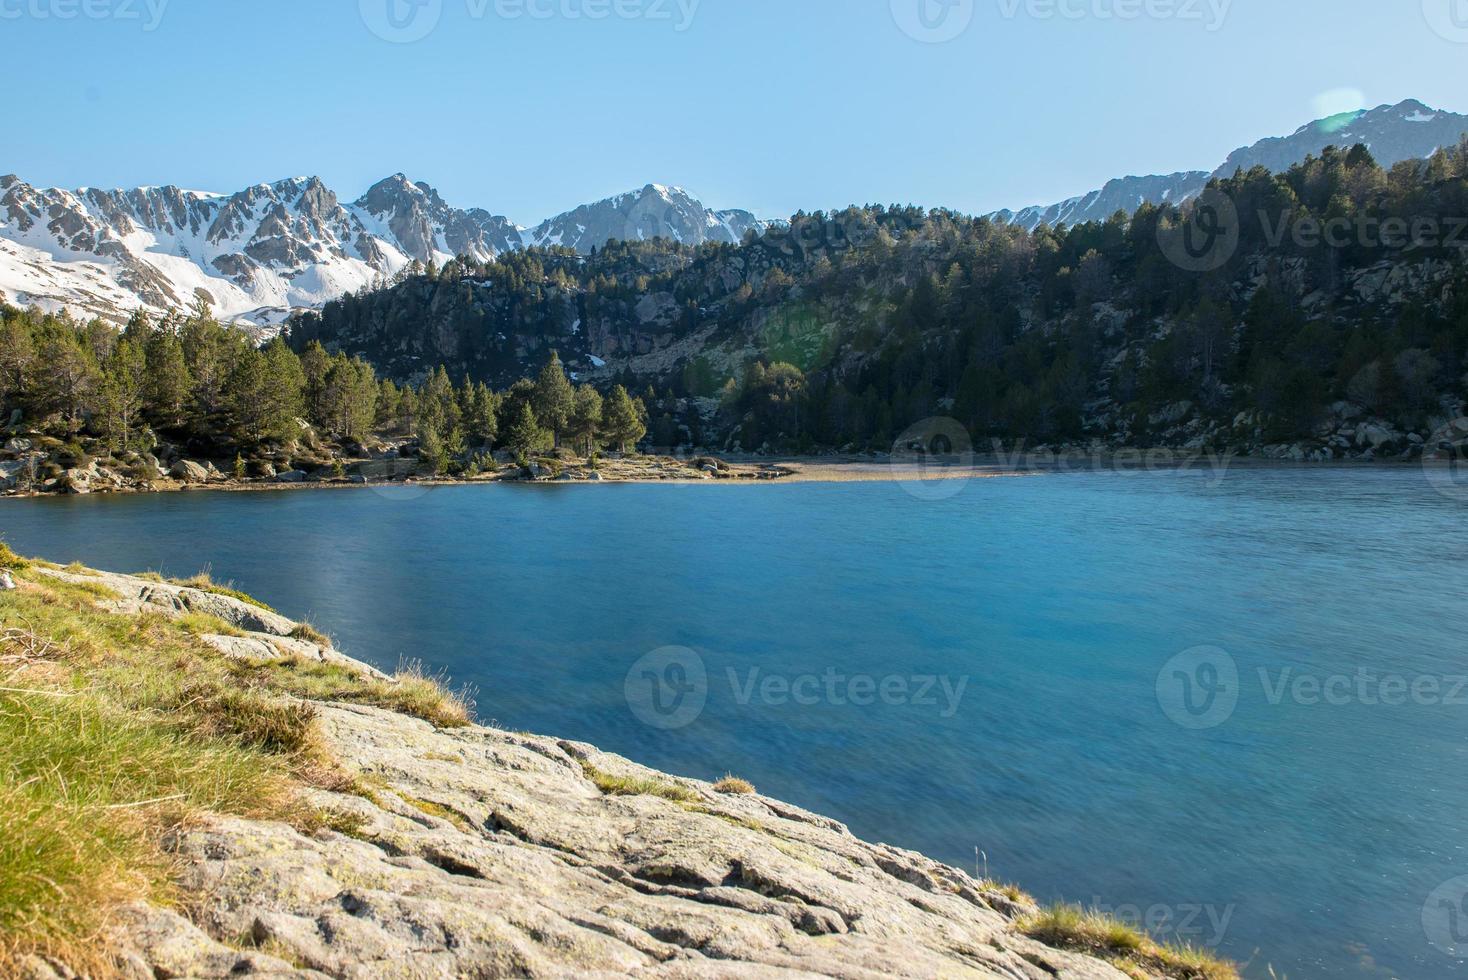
(483,853)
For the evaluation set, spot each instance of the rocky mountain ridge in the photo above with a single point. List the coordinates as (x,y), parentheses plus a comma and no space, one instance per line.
(259,254)
(1408,130)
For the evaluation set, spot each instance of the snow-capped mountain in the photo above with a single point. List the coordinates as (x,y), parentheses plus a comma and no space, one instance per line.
(257,255)
(1123,194)
(1393,133)
(653,212)
(253,255)
(418,221)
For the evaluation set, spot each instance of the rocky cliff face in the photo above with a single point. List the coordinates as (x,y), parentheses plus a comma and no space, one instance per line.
(475,852)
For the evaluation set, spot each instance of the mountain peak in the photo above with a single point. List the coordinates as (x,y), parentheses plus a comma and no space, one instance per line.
(655,211)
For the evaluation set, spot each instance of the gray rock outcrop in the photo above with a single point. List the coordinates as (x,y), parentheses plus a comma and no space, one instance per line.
(483,853)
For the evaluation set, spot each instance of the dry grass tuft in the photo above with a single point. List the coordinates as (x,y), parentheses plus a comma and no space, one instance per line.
(310,634)
(638,786)
(1074,928)
(734,786)
(204,583)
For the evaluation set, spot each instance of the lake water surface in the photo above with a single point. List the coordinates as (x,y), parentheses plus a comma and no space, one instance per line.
(999,670)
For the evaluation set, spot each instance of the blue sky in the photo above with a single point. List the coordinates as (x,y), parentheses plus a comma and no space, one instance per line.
(773,105)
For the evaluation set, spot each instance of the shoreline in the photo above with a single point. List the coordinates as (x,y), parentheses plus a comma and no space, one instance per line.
(744,471)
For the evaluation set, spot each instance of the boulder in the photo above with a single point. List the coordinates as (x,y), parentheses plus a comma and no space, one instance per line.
(7,582)
(1375,436)
(290,476)
(189,472)
(17,446)
(77,481)
(15,472)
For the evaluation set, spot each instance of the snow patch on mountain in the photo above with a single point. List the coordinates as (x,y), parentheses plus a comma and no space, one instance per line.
(655,211)
(260,254)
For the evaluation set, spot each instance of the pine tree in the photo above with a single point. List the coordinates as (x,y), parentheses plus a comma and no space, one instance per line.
(524,435)
(622,423)
(586,418)
(554,399)
(166,379)
(431,452)
(122,391)
(483,419)
(315,365)
(17,353)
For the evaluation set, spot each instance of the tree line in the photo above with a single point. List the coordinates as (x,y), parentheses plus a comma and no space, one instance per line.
(196,382)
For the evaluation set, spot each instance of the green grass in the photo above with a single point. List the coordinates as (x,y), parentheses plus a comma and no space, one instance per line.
(200,624)
(10,560)
(1074,928)
(105,744)
(638,786)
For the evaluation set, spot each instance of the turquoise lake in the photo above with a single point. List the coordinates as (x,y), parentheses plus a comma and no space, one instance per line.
(1234,706)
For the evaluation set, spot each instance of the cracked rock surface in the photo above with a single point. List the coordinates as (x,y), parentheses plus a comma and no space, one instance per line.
(487,854)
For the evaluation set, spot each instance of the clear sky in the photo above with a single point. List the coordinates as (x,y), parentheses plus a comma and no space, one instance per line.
(774,105)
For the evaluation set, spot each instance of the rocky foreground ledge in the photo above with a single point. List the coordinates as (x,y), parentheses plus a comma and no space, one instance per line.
(473,852)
